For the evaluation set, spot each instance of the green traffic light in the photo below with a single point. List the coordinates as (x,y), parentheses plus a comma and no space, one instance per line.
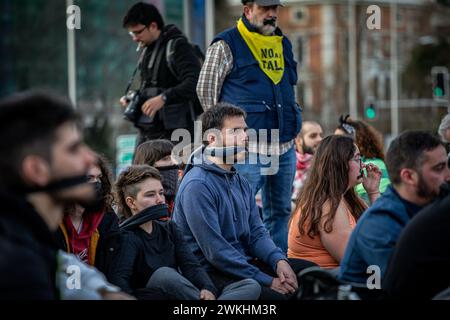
(370,113)
(438,92)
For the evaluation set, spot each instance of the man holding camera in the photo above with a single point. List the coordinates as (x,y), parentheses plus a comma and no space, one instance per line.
(166,98)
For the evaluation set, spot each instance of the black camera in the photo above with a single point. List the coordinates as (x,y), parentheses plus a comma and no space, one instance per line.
(133,110)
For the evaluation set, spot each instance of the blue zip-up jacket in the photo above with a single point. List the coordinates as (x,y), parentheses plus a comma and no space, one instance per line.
(374,238)
(268,105)
(217,213)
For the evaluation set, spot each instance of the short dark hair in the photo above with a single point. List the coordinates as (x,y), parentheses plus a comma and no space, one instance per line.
(143,13)
(28,123)
(408,151)
(214,118)
(126,184)
(150,152)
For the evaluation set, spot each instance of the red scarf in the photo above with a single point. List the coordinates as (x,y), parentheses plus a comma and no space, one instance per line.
(302,167)
(79,243)
(303,164)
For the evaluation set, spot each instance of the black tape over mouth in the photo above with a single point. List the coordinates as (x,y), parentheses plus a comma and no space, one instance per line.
(60,184)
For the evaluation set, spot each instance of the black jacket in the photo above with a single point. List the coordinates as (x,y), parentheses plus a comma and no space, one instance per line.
(420,265)
(108,228)
(27,252)
(142,254)
(181,92)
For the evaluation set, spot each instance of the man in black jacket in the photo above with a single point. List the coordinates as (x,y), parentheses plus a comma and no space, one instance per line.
(169,91)
(43,165)
(419,267)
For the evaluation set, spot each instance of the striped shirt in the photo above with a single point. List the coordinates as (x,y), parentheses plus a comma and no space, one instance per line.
(217,66)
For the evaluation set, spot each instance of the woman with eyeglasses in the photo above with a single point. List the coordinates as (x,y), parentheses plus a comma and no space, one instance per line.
(370,144)
(87,227)
(327,206)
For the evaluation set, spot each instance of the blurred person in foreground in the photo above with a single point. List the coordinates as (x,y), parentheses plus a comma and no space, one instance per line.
(43,167)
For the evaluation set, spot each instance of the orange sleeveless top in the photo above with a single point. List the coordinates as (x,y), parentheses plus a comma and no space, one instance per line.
(311,249)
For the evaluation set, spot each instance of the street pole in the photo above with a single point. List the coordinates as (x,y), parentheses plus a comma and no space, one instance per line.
(209,22)
(187,10)
(352,95)
(394,70)
(71,62)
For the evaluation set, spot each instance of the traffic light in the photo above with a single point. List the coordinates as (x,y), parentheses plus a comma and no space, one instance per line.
(439,88)
(370,112)
(440,83)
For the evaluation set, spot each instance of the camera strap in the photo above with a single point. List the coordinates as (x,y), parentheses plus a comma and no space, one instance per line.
(141,57)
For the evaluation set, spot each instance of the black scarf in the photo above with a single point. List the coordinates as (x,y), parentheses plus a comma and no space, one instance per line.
(151,213)
(170,179)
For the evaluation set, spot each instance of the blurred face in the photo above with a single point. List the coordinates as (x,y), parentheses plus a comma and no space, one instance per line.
(433,173)
(70,158)
(447,134)
(354,172)
(150,193)
(264,19)
(310,137)
(144,35)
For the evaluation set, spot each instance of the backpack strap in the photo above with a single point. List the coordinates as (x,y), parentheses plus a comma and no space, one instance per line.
(154,62)
(170,51)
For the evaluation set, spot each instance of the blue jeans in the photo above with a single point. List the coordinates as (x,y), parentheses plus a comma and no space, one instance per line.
(276,191)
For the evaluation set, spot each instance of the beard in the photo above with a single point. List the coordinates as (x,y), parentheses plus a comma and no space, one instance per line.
(306,148)
(266,27)
(424,191)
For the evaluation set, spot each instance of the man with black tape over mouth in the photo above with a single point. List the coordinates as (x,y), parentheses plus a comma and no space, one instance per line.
(216,210)
(252,66)
(43,166)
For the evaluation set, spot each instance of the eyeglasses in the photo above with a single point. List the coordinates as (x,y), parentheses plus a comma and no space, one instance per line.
(136,33)
(357,158)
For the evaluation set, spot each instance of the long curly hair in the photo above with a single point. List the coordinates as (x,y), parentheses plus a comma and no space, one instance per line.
(106,180)
(327,183)
(368,139)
